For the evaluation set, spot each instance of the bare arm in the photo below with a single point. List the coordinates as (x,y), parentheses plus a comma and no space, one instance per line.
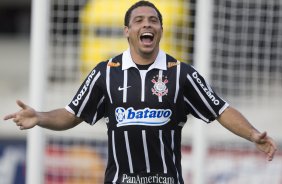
(234,121)
(27,117)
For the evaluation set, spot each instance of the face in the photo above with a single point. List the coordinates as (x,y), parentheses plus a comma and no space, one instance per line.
(144,31)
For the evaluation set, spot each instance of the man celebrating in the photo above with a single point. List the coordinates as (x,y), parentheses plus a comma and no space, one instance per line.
(145,96)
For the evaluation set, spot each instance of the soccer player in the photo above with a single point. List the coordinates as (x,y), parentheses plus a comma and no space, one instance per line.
(144,95)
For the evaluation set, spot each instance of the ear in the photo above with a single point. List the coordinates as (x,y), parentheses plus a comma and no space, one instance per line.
(126,31)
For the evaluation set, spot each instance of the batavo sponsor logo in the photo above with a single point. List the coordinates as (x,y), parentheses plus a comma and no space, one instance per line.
(84,88)
(206,90)
(146,179)
(146,117)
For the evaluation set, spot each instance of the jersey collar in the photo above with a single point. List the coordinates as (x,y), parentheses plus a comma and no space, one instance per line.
(160,62)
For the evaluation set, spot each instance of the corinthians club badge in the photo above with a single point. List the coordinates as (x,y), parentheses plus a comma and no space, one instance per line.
(159,87)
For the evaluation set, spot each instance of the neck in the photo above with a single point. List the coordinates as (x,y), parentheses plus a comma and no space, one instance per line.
(144,58)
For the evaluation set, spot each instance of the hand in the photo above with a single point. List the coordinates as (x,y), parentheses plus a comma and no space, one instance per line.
(25,118)
(264,144)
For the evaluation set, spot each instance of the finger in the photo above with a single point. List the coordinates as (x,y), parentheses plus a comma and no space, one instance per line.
(270,149)
(10,116)
(271,152)
(17,121)
(273,144)
(21,104)
(270,156)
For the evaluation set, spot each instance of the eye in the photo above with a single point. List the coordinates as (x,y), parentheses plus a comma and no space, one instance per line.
(154,20)
(138,19)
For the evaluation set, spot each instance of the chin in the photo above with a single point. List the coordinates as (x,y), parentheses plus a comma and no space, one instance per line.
(147,52)
(150,50)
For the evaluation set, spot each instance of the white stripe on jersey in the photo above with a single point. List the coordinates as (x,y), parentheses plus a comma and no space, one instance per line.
(162,151)
(160,78)
(201,95)
(177,82)
(173,157)
(108,81)
(223,108)
(69,109)
(98,105)
(125,85)
(146,151)
(128,152)
(115,157)
(197,112)
(88,95)
(143,77)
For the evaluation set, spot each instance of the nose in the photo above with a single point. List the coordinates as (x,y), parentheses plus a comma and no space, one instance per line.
(146,23)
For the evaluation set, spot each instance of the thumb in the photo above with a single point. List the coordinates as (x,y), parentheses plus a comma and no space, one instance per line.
(261,137)
(21,104)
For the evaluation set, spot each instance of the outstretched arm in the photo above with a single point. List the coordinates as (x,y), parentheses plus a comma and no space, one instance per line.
(234,121)
(27,117)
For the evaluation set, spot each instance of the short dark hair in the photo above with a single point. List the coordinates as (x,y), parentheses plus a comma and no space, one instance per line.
(139,4)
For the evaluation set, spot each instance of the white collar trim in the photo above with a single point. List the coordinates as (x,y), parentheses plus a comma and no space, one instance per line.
(160,62)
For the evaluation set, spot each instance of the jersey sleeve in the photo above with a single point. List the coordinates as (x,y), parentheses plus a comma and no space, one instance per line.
(88,103)
(202,102)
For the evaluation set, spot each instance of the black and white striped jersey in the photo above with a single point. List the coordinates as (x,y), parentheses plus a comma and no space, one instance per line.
(145,111)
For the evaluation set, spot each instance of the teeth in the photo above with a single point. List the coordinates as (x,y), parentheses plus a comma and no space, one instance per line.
(147,34)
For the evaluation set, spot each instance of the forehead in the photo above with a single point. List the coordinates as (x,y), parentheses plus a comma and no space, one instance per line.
(144,11)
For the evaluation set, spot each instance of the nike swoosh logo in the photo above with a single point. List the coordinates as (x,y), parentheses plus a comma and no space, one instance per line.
(120,88)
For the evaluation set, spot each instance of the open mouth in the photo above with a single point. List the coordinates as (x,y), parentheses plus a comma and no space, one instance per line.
(147,38)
